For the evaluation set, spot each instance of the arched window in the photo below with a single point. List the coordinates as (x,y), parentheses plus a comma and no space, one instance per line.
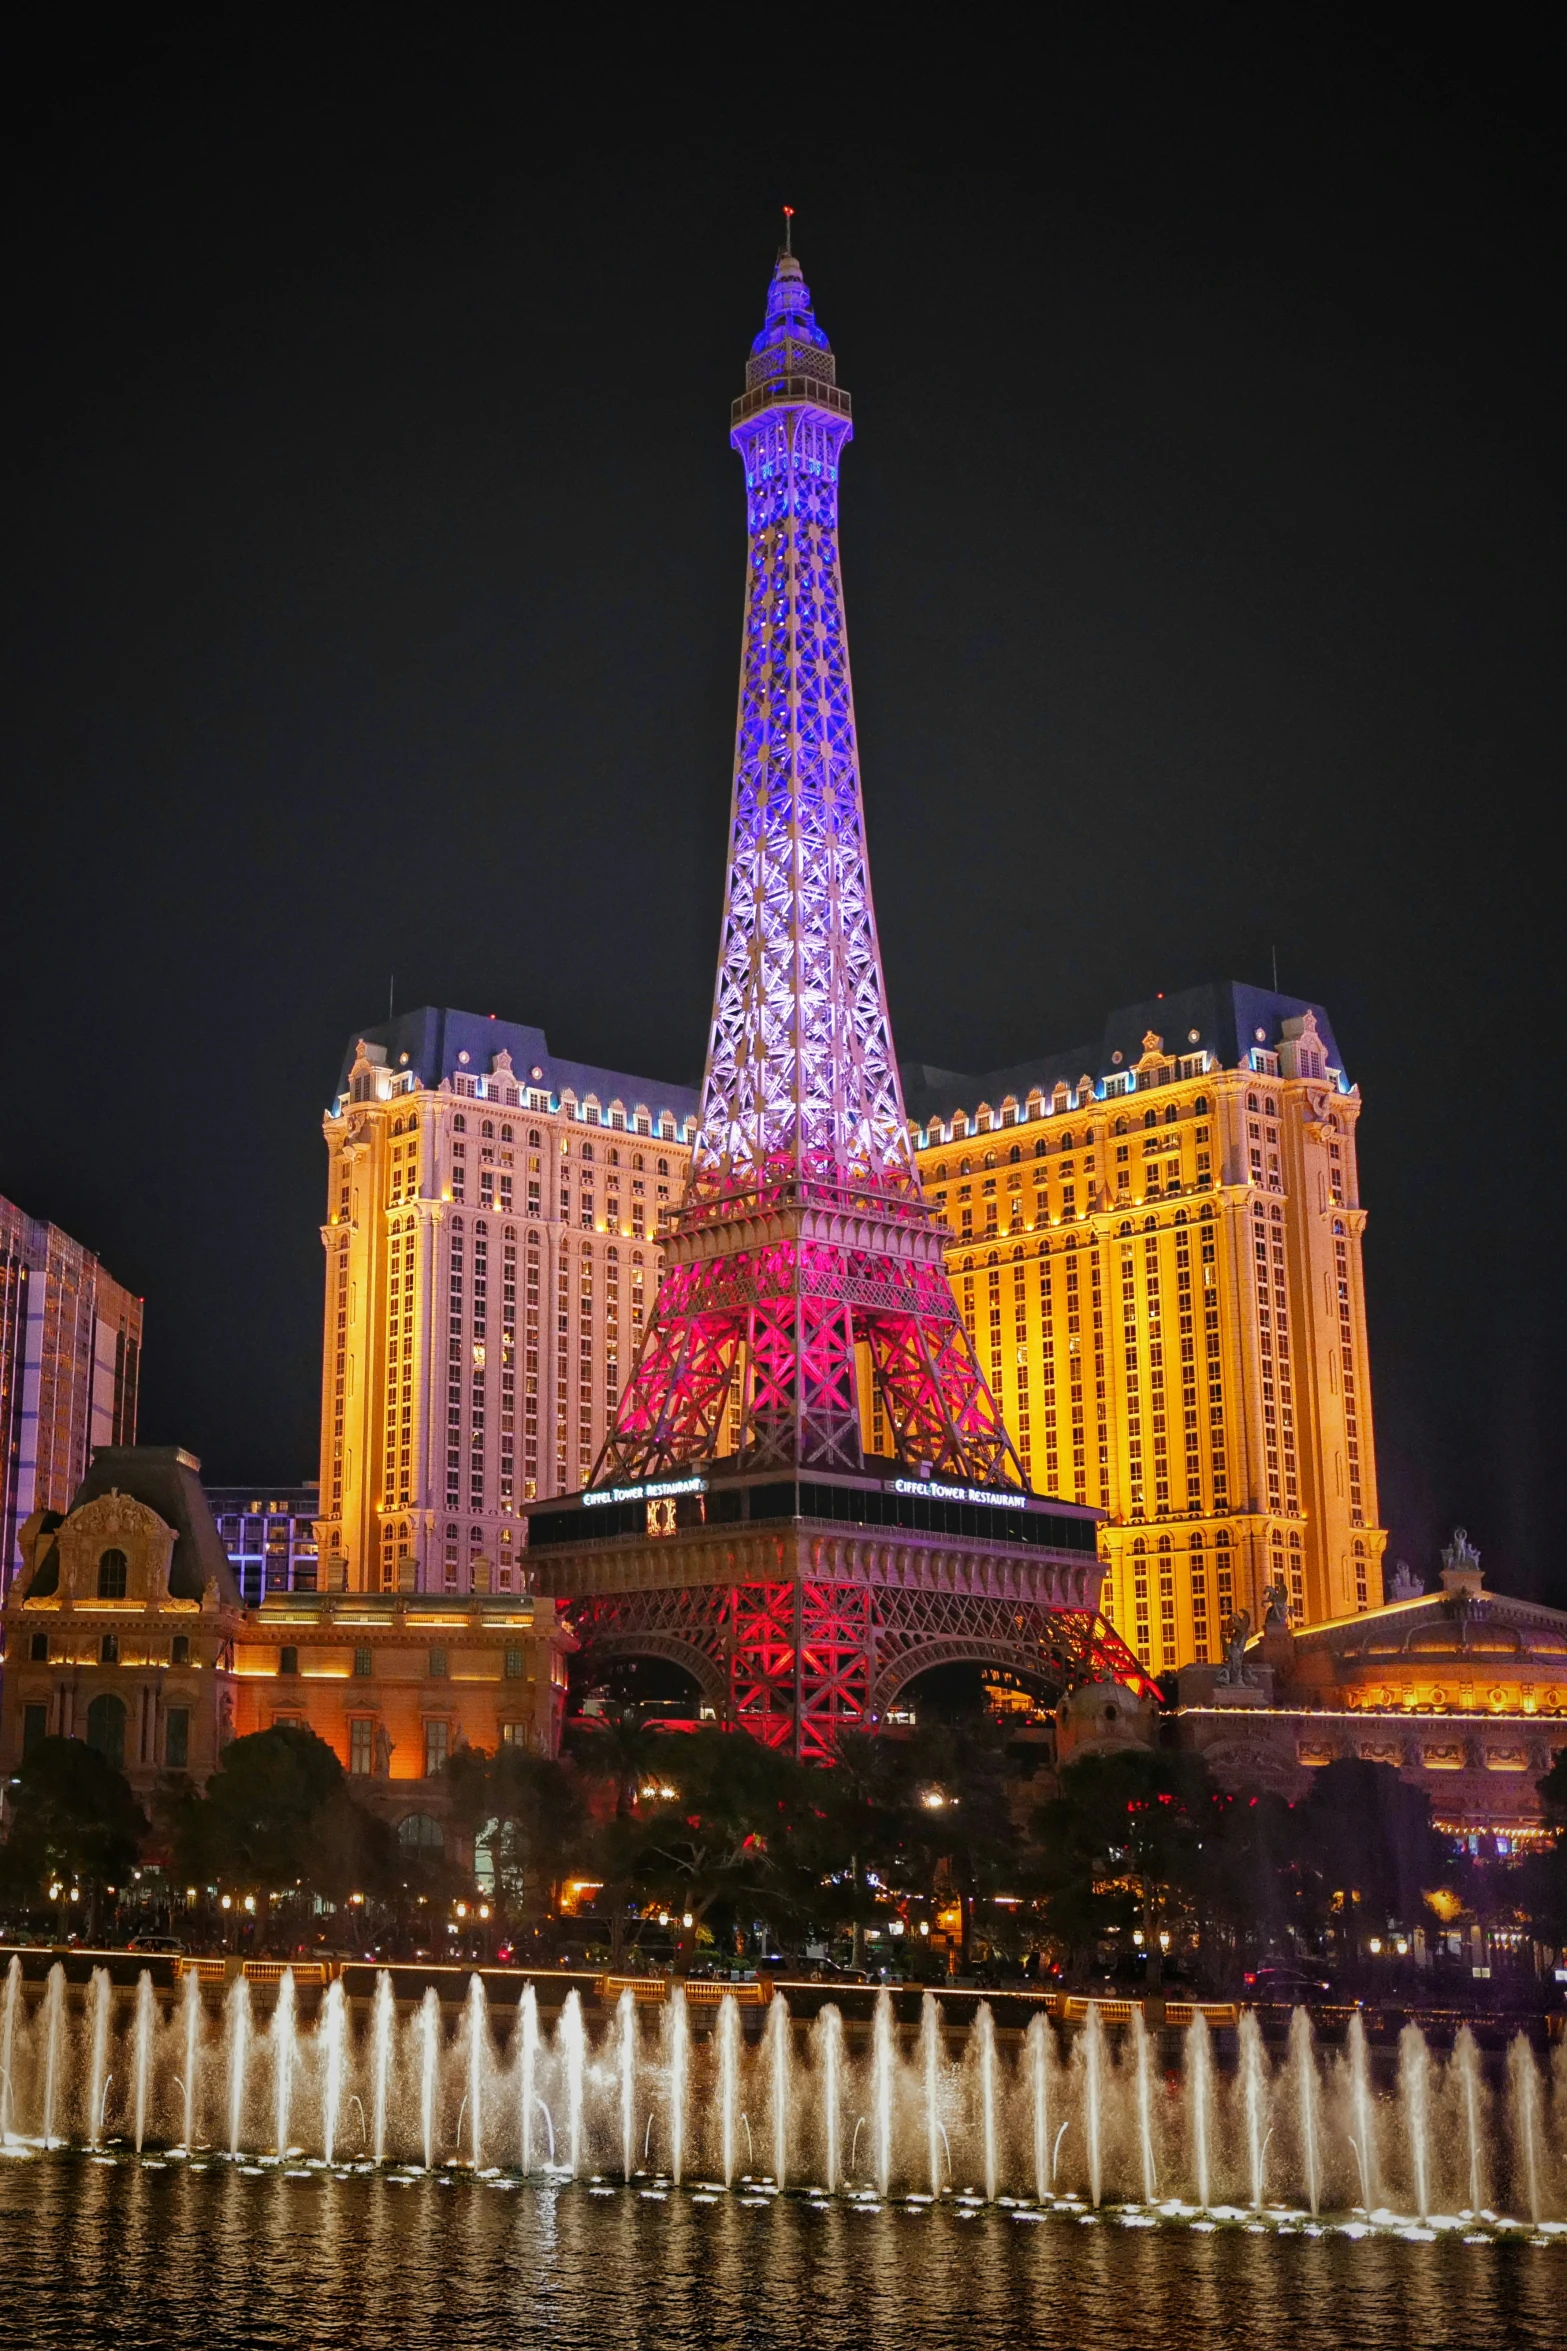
(1200,1106)
(533,1136)
(1121,1127)
(1040,1148)
(112,1568)
(965,1167)
(661,1167)
(587,1150)
(1270,1107)
(1251,1101)
(614,1156)
(397,1126)
(990,1159)
(488,1130)
(1014,1155)
(507,1135)
(1171,1114)
(1150,1118)
(106,1728)
(418,1832)
(637,1160)
(459,1124)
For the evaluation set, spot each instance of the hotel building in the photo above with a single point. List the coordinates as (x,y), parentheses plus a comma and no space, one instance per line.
(126,1628)
(269,1533)
(1157,1249)
(491,1240)
(70,1359)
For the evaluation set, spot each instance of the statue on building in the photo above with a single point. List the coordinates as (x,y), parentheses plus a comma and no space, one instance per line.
(383,1753)
(1277,1597)
(1403,1584)
(1234,1673)
(225,1720)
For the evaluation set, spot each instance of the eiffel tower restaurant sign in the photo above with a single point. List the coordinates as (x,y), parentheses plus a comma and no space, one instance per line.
(809,1496)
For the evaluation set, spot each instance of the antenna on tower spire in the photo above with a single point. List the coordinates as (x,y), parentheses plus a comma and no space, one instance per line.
(788,213)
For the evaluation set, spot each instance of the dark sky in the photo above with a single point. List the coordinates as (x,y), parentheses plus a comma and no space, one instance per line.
(373,569)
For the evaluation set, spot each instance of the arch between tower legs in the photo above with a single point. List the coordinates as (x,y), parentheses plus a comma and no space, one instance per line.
(795,1661)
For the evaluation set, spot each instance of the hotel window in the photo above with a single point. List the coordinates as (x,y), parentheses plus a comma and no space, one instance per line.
(179,1650)
(35,1728)
(364,1663)
(436,1747)
(112,1569)
(436,1667)
(39,1649)
(361,1746)
(176,1738)
(514,1664)
(109,1649)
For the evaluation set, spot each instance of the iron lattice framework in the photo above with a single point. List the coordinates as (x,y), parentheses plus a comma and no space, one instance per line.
(804,1251)
(794,1660)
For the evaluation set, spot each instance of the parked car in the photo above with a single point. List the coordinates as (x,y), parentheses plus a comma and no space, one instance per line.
(1286,1982)
(159,1946)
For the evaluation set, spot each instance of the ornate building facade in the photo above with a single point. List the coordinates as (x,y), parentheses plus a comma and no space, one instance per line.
(492,1252)
(70,1365)
(126,1628)
(1158,1253)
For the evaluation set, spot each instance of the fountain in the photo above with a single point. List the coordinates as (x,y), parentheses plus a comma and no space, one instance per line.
(930,2068)
(728,2082)
(626,2016)
(1523,2079)
(1199,2086)
(429,2070)
(236,2030)
(881,2090)
(99,1997)
(573,2042)
(1143,2054)
(1414,2083)
(895,2118)
(13,2001)
(1303,2066)
(478,2045)
(985,2033)
(141,2075)
(334,2027)
(284,2052)
(1465,2062)
(527,2073)
(383,2027)
(54,2036)
(829,2033)
(679,2071)
(1363,2134)
(1040,2044)
(1254,2099)
(1093,2047)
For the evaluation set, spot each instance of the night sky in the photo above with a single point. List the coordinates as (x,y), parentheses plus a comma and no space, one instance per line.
(372,593)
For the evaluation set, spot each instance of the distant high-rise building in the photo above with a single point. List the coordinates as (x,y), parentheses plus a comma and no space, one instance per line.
(70,1358)
(1157,1249)
(269,1533)
(493,1215)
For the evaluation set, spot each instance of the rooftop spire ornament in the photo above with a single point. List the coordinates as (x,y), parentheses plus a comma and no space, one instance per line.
(804,1260)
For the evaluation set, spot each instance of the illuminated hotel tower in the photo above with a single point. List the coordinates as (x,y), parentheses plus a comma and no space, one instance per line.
(492,1245)
(1157,1245)
(809,1495)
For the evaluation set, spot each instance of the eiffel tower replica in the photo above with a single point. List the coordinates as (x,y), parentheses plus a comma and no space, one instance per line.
(737,1522)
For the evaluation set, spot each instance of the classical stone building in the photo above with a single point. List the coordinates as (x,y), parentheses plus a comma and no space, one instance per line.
(1462,1690)
(126,1628)
(1157,1249)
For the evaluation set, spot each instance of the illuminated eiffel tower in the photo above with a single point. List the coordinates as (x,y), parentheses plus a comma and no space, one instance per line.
(804,1254)
(736,1523)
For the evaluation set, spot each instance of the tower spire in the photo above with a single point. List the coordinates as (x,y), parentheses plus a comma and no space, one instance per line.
(804,1257)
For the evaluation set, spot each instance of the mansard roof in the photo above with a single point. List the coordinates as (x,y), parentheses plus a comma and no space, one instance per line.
(436,1039)
(1225,1018)
(167,1479)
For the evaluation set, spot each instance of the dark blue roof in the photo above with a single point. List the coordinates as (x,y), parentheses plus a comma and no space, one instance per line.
(1226,1017)
(433,1040)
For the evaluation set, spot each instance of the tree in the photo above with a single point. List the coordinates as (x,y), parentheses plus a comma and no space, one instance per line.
(278,1813)
(72,1815)
(1129,1836)
(1364,1845)
(726,1834)
(618,1756)
(525,1808)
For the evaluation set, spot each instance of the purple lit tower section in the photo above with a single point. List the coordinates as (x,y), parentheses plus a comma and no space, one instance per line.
(804,1257)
